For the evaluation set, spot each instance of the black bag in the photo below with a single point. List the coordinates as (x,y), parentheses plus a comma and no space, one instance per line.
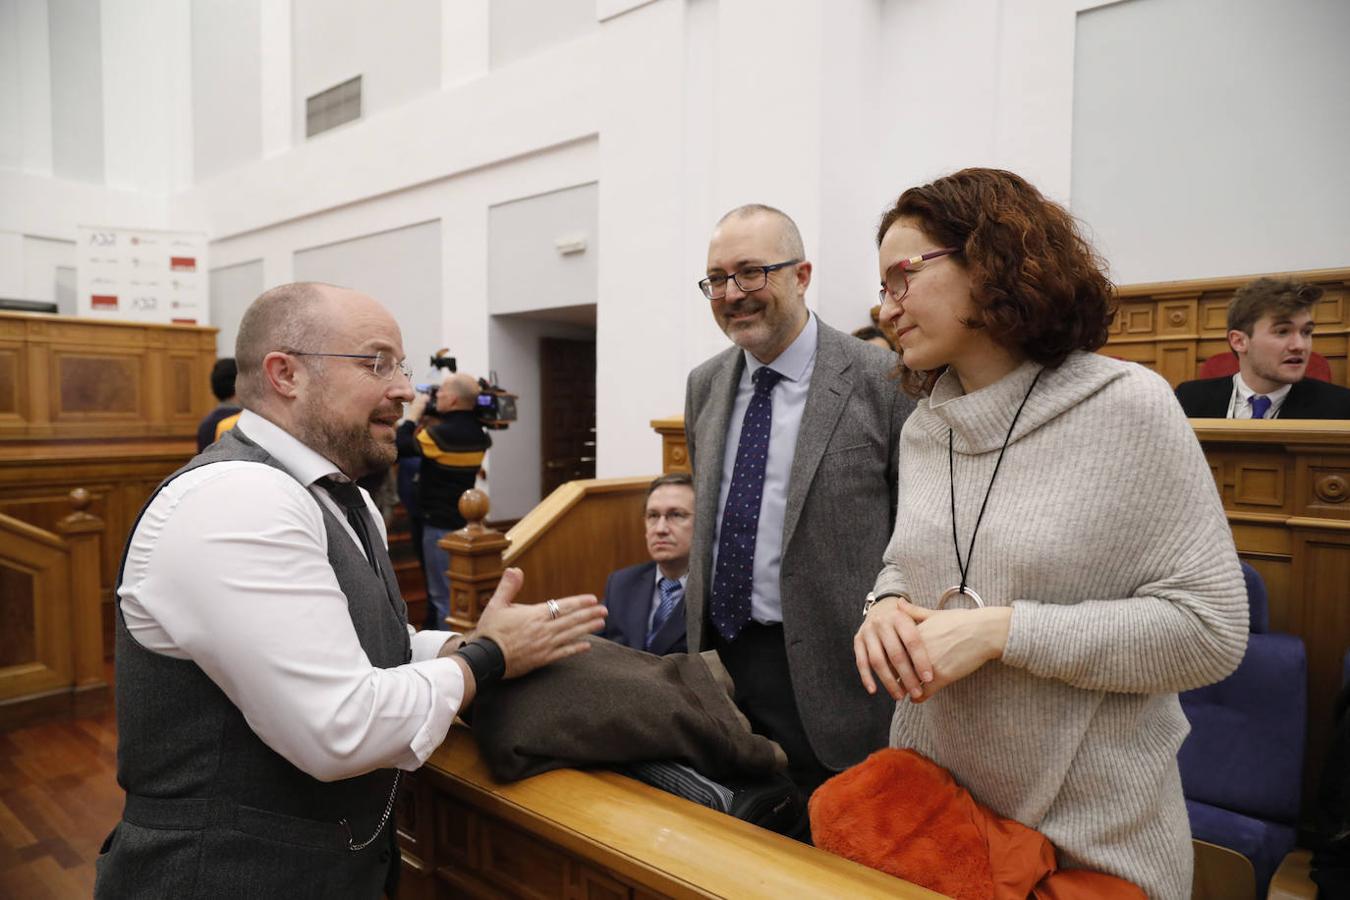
(774,802)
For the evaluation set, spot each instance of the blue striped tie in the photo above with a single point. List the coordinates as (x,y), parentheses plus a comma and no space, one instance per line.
(734,577)
(671,592)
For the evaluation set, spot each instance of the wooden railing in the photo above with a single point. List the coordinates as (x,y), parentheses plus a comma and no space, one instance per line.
(583,531)
(51,642)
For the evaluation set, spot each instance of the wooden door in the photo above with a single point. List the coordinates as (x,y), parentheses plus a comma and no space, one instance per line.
(567,402)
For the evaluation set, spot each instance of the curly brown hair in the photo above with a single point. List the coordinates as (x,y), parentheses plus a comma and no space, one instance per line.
(1037,285)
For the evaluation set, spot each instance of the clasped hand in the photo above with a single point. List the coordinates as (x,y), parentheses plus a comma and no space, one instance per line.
(528,634)
(915,652)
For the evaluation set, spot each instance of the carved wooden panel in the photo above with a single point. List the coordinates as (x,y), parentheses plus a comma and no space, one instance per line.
(10,364)
(180,385)
(79,378)
(1258,485)
(18,637)
(1158,324)
(97,386)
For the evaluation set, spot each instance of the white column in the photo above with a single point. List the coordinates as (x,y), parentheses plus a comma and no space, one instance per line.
(147,95)
(35,87)
(274,46)
(464,41)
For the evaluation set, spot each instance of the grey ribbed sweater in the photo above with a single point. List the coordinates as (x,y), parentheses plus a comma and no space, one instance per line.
(1106,535)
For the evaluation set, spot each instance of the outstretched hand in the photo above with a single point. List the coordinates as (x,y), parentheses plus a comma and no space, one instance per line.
(528,634)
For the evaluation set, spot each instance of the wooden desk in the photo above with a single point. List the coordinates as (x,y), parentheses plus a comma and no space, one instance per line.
(576,834)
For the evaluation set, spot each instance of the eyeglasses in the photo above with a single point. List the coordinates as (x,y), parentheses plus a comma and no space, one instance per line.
(751,278)
(896,285)
(382,365)
(674,518)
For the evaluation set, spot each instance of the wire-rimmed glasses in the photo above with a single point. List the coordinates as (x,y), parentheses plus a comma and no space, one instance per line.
(383,365)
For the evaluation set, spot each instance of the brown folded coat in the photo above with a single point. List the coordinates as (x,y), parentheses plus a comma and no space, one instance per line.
(619,705)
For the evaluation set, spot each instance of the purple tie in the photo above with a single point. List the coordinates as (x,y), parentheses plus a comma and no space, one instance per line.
(1260,405)
(734,577)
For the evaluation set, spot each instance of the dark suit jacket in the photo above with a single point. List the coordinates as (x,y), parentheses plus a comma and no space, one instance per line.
(628,597)
(839,517)
(1308,399)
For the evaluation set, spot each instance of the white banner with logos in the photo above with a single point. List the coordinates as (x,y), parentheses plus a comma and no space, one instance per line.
(143,276)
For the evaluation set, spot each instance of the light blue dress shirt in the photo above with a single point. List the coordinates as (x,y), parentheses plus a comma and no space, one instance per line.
(795,364)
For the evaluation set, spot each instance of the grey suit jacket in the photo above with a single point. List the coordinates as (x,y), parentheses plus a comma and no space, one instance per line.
(839,517)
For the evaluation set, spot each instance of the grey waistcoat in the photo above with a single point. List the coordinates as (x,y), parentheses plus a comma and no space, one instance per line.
(211,810)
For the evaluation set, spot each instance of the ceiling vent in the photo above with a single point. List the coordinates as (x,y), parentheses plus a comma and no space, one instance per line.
(336,106)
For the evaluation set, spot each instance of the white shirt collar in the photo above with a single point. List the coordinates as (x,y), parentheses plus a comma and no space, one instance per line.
(1244,393)
(682,579)
(303,462)
(793,362)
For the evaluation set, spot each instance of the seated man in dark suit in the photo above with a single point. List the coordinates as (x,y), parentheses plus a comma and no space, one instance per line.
(1270,326)
(646,601)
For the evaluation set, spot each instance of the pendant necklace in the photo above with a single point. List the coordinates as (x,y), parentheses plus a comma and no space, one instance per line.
(964,566)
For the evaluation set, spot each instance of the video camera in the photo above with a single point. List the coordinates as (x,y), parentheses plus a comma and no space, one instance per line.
(495,407)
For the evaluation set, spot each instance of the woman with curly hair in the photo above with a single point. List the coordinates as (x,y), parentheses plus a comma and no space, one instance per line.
(1061,564)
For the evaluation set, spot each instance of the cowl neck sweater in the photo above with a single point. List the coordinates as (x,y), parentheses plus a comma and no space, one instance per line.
(1105,534)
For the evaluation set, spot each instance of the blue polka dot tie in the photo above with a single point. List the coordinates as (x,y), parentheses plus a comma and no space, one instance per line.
(734,577)
(1260,405)
(671,592)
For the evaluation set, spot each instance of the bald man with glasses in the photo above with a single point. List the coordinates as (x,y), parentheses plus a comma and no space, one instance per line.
(269,690)
(792,436)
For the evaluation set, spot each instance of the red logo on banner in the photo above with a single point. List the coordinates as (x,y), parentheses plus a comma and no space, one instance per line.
(183,263)
(103,301)
(184,321)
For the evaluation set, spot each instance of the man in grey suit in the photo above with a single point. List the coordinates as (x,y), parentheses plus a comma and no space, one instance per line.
(792,436)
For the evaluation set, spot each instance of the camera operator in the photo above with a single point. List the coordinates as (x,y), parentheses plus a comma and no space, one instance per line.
(452,443)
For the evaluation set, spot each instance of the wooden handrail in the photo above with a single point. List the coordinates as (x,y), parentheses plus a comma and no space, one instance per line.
(51,656)
(1224,283)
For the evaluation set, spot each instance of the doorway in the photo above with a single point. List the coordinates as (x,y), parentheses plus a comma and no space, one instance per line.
(567,402)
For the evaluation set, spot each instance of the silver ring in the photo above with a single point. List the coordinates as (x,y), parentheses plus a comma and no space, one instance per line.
(553,610)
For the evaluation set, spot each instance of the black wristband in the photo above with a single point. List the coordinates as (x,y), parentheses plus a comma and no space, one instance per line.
(485,659)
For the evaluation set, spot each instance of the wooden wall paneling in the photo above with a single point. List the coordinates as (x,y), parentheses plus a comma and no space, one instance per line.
(1173,327)
(1322,575)
(85,378)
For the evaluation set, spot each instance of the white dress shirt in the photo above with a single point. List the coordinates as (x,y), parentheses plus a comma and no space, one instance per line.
(795,364)
(1240,406)
(229,568)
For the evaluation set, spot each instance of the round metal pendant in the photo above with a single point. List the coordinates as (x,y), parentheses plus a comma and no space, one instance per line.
(956,591)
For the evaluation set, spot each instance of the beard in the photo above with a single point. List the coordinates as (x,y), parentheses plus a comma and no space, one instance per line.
(348,445)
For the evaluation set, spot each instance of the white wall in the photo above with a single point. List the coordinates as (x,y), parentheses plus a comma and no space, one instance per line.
(401,268)
(520,28)
(77,89)
(1226,153)
(526,270)
(394,47)
(49,268)
(226,85)
(232,289)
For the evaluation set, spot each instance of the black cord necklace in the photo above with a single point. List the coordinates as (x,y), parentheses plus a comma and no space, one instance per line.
(964,566)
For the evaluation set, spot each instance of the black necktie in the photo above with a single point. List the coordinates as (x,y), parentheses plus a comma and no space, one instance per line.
(348,496)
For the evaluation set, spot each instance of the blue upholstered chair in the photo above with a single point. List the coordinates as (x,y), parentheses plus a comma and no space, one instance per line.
(1242,764)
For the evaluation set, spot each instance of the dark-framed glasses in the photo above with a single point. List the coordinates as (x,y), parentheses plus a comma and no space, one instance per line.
(896,284)
(750,278)
(382,365)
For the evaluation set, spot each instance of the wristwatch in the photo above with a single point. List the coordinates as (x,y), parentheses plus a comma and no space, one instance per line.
(873,599)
